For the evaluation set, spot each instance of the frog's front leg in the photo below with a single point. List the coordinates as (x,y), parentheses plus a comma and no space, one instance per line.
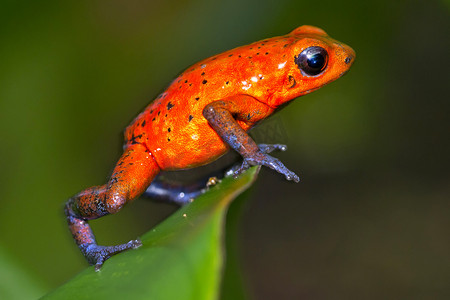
(222,115)
(133,173)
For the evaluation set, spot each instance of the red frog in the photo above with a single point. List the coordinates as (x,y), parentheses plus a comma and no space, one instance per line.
(204,112)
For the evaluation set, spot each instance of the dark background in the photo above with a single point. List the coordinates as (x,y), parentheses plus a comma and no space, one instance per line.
(370,219)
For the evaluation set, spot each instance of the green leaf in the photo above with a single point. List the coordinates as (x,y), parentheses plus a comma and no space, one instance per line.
(233,287)
(181,258)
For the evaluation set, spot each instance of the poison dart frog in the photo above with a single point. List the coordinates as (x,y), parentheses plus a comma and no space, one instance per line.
(206,111)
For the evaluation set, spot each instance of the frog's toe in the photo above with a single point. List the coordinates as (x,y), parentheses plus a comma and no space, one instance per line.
(292,176)
(241,169)
(99,263)
(97,255)
(267,148)
(281,168)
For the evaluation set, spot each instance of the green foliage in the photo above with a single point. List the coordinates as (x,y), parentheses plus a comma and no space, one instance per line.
(181,258)
(16,283)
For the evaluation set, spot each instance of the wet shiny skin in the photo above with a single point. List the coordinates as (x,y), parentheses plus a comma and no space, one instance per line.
(203,113)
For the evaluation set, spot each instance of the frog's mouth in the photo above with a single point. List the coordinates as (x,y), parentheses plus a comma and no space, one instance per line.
(313,89)
(349,62)
(342,74)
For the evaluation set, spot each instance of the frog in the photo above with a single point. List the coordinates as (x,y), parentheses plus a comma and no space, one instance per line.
(205,112)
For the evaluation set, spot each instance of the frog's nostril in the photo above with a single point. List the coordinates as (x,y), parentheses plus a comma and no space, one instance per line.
(348,59)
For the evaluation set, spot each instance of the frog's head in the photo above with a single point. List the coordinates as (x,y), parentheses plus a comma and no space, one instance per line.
(314,59)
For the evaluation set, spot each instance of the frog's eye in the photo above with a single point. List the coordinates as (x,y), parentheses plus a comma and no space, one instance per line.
(312,61)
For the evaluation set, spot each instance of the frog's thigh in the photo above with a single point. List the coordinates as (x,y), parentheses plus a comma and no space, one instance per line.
(132,175)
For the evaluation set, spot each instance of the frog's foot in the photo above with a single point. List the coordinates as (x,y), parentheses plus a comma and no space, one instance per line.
(267,148)
(97,255)
(262,158)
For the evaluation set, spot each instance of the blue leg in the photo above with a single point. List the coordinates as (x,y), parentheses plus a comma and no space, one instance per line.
(164,190)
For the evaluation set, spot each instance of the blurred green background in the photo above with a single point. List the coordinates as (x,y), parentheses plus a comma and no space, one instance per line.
(370,219)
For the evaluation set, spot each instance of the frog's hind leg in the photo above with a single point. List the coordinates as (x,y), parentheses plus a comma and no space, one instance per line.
(130,178)
(164,190)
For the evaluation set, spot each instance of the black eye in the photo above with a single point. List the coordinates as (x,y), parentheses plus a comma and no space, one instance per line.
(312,60)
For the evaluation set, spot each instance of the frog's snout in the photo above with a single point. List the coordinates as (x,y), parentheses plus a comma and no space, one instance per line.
(349,55)
(348,59)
